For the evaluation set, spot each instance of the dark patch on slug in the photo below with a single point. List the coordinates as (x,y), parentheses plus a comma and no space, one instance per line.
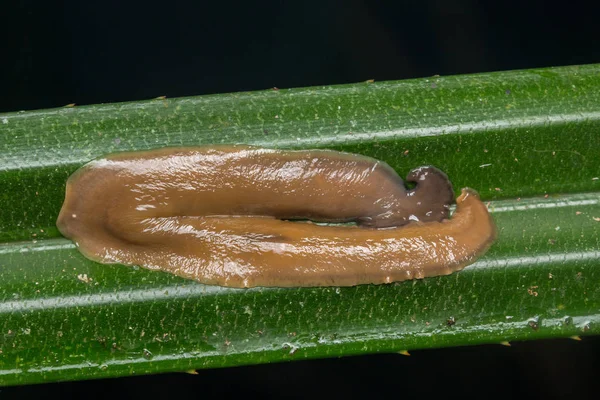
(429,200)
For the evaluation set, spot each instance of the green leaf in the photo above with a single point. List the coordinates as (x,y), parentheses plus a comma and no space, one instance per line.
(528,141)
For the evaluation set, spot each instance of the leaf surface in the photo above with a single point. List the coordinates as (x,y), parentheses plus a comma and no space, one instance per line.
(528,141)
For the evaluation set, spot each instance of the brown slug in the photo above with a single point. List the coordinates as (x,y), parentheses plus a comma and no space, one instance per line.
(210,214)
(320,185)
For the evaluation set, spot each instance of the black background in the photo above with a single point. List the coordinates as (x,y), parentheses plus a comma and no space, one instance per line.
(54,53)
(60,52)
(556,369)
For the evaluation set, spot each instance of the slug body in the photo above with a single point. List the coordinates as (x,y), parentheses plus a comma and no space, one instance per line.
(211,214)
(320,185)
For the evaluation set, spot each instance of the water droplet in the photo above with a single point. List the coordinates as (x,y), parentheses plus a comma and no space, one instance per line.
(291,347)
(534,323)
(147,354)
(586,326)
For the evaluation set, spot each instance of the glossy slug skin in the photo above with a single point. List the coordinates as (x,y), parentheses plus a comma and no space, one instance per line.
(320,185)
(262,251)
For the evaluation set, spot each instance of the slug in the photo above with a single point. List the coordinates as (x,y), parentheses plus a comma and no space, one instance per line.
(319,185)
(213,215)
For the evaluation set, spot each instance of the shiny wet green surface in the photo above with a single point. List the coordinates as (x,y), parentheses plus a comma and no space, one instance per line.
(515,137)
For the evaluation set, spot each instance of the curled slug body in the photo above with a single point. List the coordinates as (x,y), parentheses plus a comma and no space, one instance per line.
(210,214)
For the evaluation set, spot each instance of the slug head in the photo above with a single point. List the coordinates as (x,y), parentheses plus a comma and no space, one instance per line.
(433,193)
(429,200)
